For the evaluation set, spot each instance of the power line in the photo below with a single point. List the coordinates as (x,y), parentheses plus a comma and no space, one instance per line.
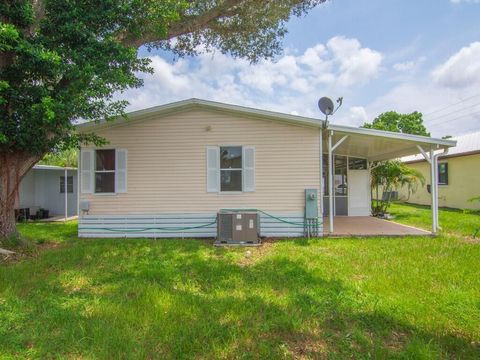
(458,117)
(453,112)
(454,104)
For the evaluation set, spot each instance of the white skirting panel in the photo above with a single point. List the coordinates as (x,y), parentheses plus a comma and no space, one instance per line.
(180,226)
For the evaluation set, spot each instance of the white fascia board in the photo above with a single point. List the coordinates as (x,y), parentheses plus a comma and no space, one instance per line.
(52,167)
(204,104)
(392,135)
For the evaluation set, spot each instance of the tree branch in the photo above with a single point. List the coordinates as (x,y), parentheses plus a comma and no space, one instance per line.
(38,15)
(187,25)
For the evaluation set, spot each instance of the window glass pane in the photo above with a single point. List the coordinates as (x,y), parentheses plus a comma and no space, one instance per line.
(105,182)
(231,157)
(70,184)
(340,178)
(231,180)
(105,160)
(357,164)
(443,173)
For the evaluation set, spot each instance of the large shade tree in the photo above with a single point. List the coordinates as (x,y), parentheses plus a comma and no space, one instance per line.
(61,61)
(404,123)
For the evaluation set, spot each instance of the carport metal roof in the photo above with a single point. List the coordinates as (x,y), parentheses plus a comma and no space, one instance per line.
(376,145)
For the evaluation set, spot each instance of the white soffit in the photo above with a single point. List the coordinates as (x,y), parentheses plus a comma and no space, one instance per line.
(378,145)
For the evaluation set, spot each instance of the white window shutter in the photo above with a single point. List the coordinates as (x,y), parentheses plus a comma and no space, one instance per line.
(248,168)
(86,170)
(213,169)
(121,171)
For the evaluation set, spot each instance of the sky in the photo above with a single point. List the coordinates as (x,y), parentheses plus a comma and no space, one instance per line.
(400,55)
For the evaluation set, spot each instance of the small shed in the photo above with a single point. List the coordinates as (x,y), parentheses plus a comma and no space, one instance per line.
(44,188)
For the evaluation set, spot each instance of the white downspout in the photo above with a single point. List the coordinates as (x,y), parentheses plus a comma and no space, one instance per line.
(435,161)
(432,158)
(330,182)
(433,189)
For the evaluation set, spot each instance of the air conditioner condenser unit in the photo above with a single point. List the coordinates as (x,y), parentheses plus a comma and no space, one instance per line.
(238,228)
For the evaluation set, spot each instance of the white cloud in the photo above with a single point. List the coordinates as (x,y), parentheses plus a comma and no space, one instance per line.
(357,115)
(408,66)
(357,64)
(352,116)
(465,1)
(461,70)
(291,83)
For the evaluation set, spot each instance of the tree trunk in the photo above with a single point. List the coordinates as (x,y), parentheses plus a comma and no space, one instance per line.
(13,167)
(7,221)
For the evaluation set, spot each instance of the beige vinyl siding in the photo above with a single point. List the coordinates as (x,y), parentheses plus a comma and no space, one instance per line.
(463,183)
(167,164)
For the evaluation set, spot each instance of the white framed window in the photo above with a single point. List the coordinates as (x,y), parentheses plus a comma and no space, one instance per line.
(105,171)
(443,173)
(230,169)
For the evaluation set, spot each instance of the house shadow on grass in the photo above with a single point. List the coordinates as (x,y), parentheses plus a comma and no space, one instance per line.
(185,299)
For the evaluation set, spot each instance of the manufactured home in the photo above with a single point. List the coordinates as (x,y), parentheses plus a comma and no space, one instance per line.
(458,175)
(168,171)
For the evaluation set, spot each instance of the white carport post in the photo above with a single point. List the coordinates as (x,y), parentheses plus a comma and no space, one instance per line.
(432,160)
(331,149)
(433,191)
(435,168)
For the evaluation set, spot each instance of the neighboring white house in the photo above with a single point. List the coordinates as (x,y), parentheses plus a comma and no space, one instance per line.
(458,175)
(168,170)
(44,187)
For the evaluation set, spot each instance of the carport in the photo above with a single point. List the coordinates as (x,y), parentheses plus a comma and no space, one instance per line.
(344,147)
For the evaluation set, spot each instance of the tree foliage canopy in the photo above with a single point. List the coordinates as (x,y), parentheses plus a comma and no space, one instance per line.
(65,158)
(404,123)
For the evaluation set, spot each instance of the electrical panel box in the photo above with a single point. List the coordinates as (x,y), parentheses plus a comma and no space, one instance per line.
(237,228)
(311,204)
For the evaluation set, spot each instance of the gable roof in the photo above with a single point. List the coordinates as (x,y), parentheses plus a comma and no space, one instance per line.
(193,103)
(369,143)
(466,145)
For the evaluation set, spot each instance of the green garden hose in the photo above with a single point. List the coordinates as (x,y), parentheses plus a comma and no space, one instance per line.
(181,229)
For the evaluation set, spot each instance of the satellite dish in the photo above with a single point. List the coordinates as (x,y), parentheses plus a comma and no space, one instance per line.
(326,105)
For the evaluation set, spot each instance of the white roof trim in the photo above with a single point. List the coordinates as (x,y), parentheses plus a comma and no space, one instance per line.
(392,135)
(209,105)
(51,167)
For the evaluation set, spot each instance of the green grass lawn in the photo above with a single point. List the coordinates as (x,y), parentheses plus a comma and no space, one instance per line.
(404,298)
(452,221)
